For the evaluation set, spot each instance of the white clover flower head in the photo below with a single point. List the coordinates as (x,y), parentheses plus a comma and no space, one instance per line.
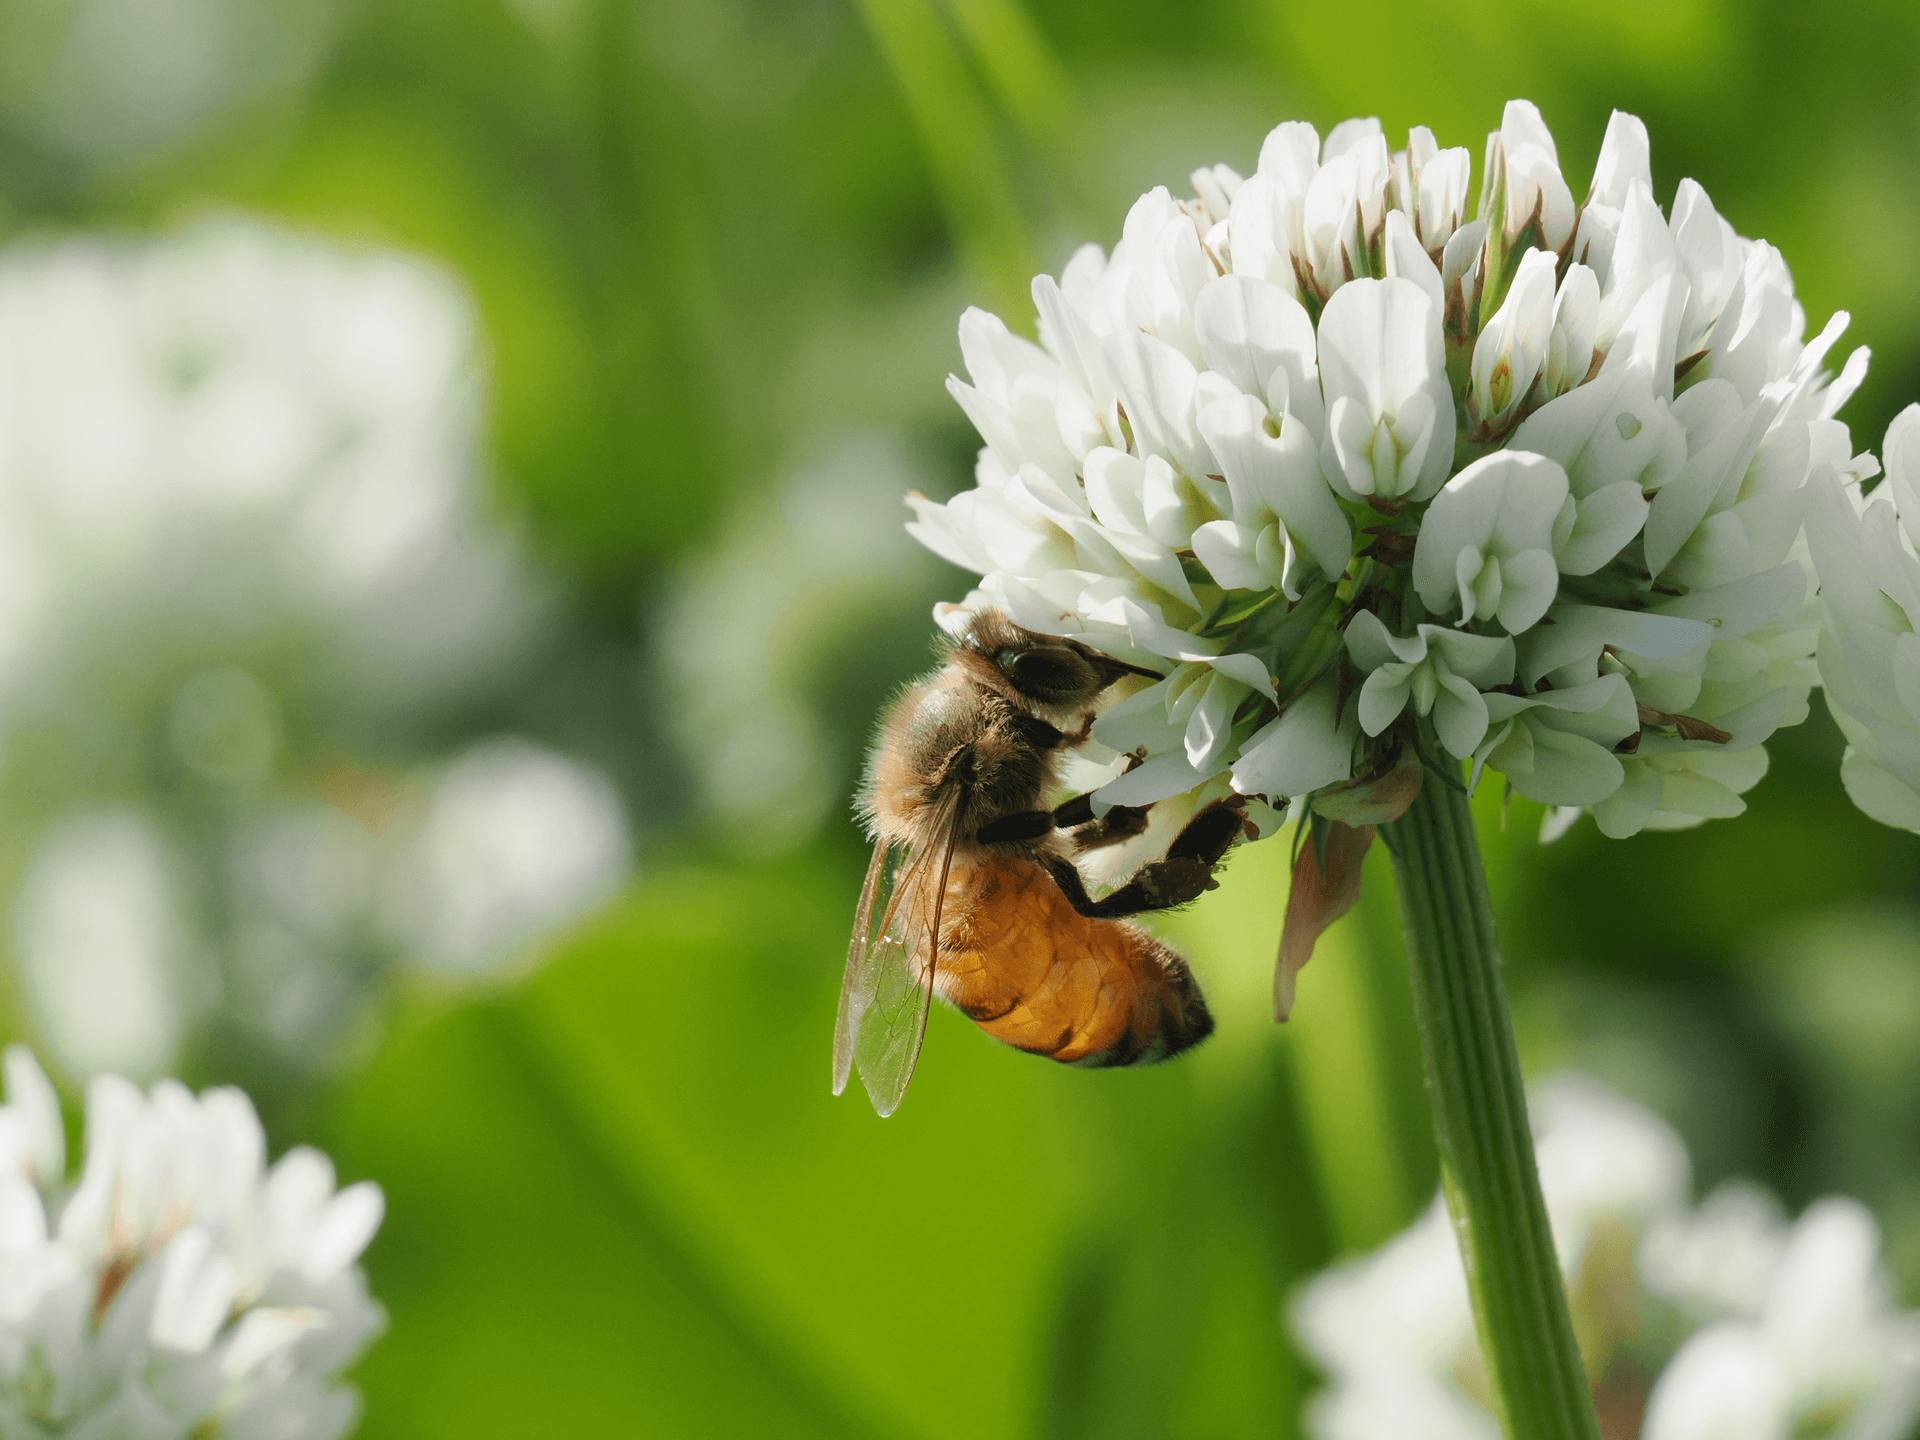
(1733,1322)
(1863,550)
(1318,415)
(180,1284)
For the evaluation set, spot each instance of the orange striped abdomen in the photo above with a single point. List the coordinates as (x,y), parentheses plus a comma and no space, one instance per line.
(1029,969)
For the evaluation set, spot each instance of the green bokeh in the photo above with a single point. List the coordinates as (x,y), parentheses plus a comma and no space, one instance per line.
(700,235)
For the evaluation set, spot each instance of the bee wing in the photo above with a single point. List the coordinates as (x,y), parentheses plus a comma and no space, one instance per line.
(887,993)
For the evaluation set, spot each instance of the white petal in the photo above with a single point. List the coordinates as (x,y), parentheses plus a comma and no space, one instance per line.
(1291,154)
(1443,195)
(1301,751)
(1514,337)
(1483,660)
(1560,768)
(1230,552)
(1521,124)
(1651,332)
(1259,337)
(1372,645)
(1139,720)
(1278,475)
(1209,728)
(1160,778)
(1380,342)
(1726,1383)
(1529,580)
(343,1230)
(23,1222)
(1642,254)
(1900,453)
(1580,631)
(1608,430)
(1383,697)
(197,1290)
(1350,134)
(1344,457)
(1624,159)
(1879,793)
(995,357)
(1248,670)
(1407,259)
(1740,608)
(30,1095)
(1459,716)
(1604,522)
(935,528)
(1500,506)
(1157,385)
(1073,341)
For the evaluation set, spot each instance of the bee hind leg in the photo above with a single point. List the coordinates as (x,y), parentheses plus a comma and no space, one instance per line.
(1183,874)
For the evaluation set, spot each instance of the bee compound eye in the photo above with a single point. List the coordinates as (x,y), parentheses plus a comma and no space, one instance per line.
(1047,673)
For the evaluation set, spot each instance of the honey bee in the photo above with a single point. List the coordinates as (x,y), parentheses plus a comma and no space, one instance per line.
(973,893)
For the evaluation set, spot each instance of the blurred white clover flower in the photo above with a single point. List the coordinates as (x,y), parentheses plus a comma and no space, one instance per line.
(104,943)
(1313,422)
(476,862)
(1719,1321)
(749,629)
(513,842)
(179,1285)
(241,441)
(244,541)
(1863,552)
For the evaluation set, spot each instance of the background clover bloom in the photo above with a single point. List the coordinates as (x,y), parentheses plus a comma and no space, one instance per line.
(1863,550)
(1536,475)
(242,512)
(1697,1321)
(180,1284)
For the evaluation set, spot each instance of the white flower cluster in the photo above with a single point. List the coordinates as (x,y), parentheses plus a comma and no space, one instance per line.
(1361,474)
(248,569)
(1720,1321)
(1863,550)
(179,1287)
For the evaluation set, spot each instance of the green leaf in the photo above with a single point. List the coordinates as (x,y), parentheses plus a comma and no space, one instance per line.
(637,1155)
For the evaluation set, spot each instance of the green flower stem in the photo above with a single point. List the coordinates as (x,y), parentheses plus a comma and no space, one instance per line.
(1538,1385)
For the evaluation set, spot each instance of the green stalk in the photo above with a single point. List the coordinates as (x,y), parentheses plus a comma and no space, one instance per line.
(1537,1383)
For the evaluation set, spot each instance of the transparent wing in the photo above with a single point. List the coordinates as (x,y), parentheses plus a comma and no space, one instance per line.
(887,993)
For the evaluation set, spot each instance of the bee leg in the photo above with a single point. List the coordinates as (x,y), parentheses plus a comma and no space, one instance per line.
(1077,811)
(1158,886)
(1024,825)
(1121,823)
(1042,735)
(1185,873)
(1211,831)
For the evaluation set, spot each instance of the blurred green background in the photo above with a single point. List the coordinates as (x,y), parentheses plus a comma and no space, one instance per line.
(717,250)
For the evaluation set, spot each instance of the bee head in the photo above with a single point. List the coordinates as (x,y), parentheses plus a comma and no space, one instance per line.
(1047,671)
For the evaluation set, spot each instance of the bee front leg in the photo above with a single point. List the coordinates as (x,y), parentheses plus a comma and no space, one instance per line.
(1023,825)
(1121,822)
